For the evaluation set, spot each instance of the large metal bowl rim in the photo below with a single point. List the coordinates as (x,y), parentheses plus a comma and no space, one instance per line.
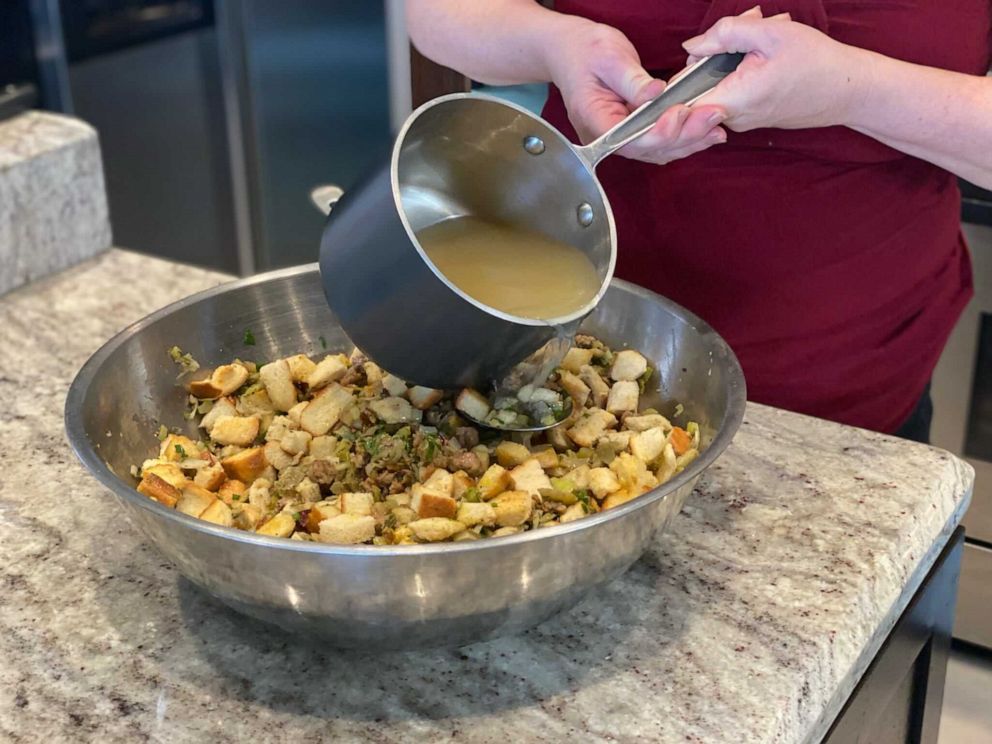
(86,451)
(398,201)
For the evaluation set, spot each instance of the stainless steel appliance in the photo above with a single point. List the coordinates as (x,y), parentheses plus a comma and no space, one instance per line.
(962,392)
(385,597)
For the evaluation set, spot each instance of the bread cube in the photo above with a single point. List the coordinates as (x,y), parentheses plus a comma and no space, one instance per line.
(603,482)
(440,482)
(176,448)
(257,401)
(510,454)
(633,474)
(211,477)
(494,481)
(232,491)
(529,477)
(648,445)
(590,426)
(300,367)
(647,421)
(246,516)
(219,513)
(329,369)
(223,381)
(308,491)
(598,389)
(430,504)
(246,465)
(239,430)
(513,508)
(435,529)
(295,442)
(628,365)
(394,385)
(319,512)
(221,407)
(461,482)
(278,381)
(424,397)
(579,477)
(576,359)
(169,472)
(325,409)
(277,457)
(546,456)
(623,397)
(356,503)
(281,525)
(472,514)
(619,440)
(295,414)
(574,386)
(194,500)
(473,404)
(323,447)
(158,489)
(575,511)
(619,497)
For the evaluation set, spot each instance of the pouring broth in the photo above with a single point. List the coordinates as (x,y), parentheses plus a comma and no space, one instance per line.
(512,269)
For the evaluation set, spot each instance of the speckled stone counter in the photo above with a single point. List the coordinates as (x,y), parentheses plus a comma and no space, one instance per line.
(751,620)
(53,206)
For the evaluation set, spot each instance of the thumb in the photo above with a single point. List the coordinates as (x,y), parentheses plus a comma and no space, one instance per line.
(632,83)
(731,34)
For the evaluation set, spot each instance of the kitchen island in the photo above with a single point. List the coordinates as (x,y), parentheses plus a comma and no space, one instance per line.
(751,620)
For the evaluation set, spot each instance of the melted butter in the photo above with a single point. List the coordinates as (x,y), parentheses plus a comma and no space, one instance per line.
(518,271)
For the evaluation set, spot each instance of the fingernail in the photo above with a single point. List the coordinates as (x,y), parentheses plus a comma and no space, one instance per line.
(752,11)
(691,42)
(719,136)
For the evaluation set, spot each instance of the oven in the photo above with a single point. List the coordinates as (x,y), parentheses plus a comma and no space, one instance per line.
(962,392)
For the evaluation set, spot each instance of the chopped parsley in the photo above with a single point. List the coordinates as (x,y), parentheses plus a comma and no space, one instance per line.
(181,451)
(249,337)
(472,495)
(323,342)
(235,497)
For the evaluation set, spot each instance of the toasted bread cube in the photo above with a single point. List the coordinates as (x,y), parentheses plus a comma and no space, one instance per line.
(281,525)
(435,529)
(219,513)
(599,390)
(233,491)
(579,477)
(295,442)
(472,514)
(603,482)
(628,365)
(668,464)
(482,452)
(403,514)
(619,440)
(559,439)
(424,397)
(647,445)
(279,427)
(575,511)
(246,465)
(356,503)
(619,497)
(278,381)
(239,430)
(211,477)
(223,381)
(295,414)
(494,481)
(574,386)
(221,407)
(623,397)
(395,411)
(590,426)
(319,512)
(430,504)
(246,516)
(324,411)
(546,456)
(347,529)
(300,367)
(194,500)
(461,482)
(260,494)
(329,369)
(529,477)
(510,454)
(323,447)
(633,474)
(440,482)
(158,489)
(256,401)
(576,359)
(394,385)
(513,508)
(473,404)
(176,448)
(169,472)
(277,457)
(646,421)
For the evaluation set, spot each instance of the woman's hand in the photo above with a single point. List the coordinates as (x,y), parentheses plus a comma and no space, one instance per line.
(793,77)
(601,80)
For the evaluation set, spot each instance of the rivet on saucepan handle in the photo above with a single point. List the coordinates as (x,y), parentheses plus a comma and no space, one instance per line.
(585,214)
(534,145)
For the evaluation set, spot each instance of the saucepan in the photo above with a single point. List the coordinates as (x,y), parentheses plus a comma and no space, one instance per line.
(472,155)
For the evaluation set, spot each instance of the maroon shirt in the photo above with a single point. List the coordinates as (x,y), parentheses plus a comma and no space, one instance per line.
(834,265)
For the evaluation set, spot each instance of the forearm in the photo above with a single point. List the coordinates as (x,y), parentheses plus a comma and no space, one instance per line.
(498,42)
(939,116)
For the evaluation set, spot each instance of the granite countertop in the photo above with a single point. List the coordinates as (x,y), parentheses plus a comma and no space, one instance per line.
(751,620)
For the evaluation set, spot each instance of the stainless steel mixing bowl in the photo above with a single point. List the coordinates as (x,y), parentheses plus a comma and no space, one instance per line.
(381,598)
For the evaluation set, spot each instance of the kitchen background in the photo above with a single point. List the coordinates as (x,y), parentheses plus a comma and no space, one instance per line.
(217,117)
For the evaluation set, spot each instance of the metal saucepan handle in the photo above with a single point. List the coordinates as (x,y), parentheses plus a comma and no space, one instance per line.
(686,87)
